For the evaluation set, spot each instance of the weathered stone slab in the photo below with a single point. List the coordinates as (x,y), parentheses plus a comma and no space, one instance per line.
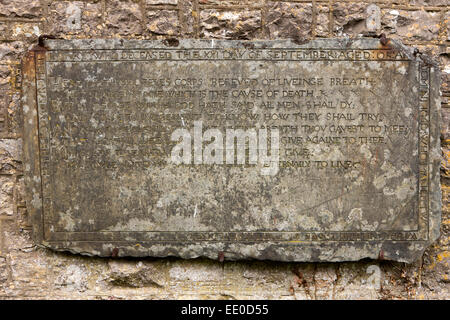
(133,148)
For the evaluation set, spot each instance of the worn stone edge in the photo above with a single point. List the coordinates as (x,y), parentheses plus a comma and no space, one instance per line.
(331,43)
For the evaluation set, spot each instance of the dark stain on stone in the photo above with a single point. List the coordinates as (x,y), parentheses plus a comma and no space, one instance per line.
(171,42)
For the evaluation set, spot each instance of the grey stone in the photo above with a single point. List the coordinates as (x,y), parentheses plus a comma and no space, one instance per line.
(76,18)
(373,21)
(355,175)
(20,8)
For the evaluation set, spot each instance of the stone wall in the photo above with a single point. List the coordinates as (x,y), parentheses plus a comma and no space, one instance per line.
(34,273)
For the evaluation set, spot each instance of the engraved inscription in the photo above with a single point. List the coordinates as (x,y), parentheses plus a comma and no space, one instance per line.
(234,143)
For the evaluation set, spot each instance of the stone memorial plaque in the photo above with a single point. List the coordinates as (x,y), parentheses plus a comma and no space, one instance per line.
(323,151)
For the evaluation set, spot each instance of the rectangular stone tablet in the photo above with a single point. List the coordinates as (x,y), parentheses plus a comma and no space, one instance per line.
(323,151)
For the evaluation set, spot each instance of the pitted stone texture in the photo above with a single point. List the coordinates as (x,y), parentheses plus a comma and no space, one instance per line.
(445,129)
(178,272)
(290,20)
(136,275)
(3,29)
(225,213)
(356,285)
(230,3)
(187,20)
(3,270)
(5,77)
(323,21)
(230,24)
(21,8)
(163,22)
(349,18)
(434,281)
(10,156)
(74,18)
(445,78)
(324,276)
(123,18)
(153,2)
(430,3)
(72,278)
(26,281)
(4,104)
(412,25)
(17,239)
(11,52)
(243,280)
(59,275)
(19,200)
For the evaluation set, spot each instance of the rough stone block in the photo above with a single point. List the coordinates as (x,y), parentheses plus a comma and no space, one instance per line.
(6,196)
(323,20)
(411,25)
(11,52)
(74,18)
(230,3)
(153,2)
(123,18)
(230,24)
(136,274)
(25,31)
(73,278)
(429,3)
(187,19)
(10,156)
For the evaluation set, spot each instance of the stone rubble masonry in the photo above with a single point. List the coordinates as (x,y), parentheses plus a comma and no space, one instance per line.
(34,273)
